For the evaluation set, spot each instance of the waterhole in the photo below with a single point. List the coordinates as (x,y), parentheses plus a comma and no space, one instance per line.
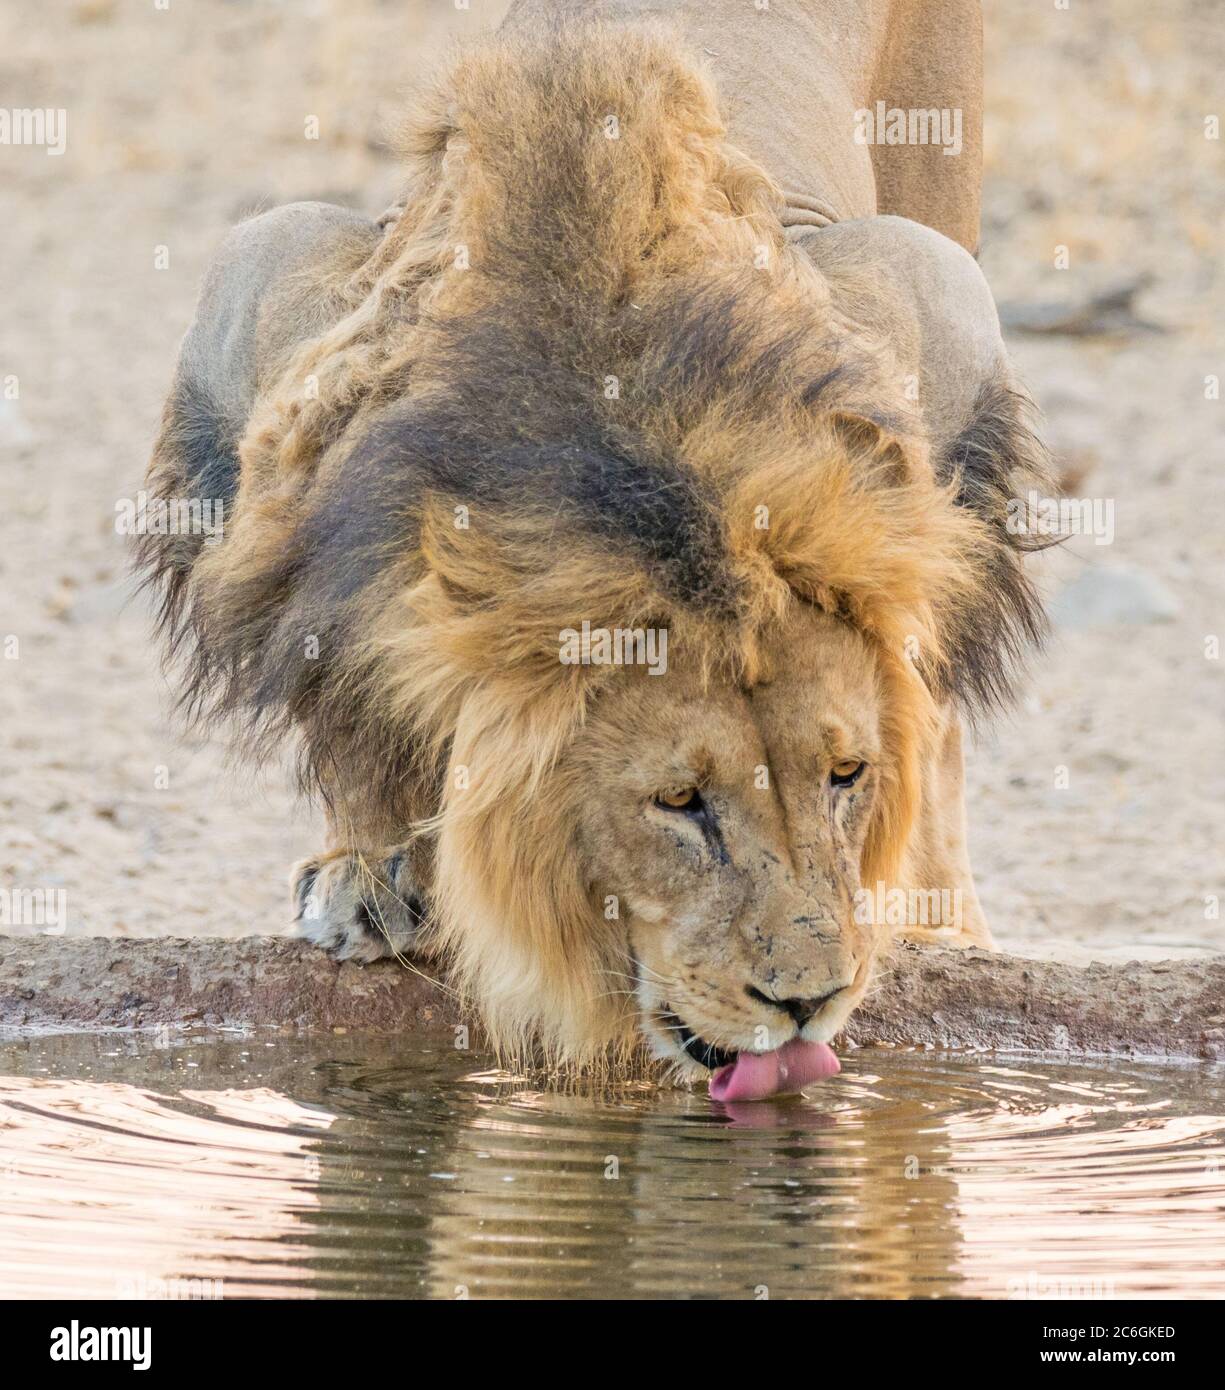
(273,1167)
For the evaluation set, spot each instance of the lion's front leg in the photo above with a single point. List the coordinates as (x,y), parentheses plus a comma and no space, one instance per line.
(942,904)
(357,906)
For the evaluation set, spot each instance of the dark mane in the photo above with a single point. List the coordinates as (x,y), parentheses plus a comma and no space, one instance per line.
(996,458)
(608,385)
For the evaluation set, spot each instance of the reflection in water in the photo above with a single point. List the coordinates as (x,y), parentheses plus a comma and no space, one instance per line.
(365,1167)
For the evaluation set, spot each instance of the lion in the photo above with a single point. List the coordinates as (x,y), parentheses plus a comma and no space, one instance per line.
(619,527)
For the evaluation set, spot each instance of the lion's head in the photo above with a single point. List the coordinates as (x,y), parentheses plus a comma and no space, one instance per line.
(628,407)
(725,824)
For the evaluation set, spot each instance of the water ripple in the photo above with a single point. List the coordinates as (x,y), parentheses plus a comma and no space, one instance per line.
(358,1167)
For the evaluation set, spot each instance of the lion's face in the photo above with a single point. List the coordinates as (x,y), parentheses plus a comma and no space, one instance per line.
(726,825)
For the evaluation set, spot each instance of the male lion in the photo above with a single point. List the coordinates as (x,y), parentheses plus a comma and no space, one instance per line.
(644,348)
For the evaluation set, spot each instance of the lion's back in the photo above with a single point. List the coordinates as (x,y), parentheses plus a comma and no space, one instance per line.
(274,283)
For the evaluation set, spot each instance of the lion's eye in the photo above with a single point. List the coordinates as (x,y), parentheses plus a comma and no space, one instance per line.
(846,773)
(680,799)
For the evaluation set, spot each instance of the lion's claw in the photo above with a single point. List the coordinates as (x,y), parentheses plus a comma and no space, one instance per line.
(356,908)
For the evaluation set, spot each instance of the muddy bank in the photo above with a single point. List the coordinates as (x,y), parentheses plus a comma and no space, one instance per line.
(927,997)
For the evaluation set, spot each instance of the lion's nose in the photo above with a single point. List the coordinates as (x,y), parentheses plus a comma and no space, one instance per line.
(801,1010)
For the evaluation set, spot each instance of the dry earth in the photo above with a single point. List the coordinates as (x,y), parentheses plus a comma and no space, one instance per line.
(1095,810)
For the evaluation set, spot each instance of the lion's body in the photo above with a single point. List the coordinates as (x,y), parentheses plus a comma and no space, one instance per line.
(792,76)
(567,383)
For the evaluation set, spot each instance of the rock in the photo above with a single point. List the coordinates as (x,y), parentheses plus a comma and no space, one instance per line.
(1108,312)
(973,999)
(1104,595)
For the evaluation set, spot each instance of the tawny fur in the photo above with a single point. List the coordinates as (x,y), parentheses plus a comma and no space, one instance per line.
(655,261)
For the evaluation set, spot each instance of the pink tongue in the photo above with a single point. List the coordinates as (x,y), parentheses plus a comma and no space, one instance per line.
(755,1075)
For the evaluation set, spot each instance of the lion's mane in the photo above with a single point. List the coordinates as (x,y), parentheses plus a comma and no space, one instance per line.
(585,375)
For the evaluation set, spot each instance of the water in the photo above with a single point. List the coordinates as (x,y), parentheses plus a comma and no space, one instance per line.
(278,1167)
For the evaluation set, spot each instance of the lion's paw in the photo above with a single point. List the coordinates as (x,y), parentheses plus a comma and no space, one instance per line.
(356,908)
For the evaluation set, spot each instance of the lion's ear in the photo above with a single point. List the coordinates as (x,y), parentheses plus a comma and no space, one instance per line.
(851,519)
(986,611)
(894,460)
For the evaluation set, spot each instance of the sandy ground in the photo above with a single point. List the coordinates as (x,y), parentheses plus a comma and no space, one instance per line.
(1095,810)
